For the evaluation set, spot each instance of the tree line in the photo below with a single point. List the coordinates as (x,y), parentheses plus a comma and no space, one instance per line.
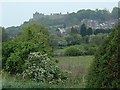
(75,18)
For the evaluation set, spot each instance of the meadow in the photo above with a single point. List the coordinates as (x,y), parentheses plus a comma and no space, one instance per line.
(77,67)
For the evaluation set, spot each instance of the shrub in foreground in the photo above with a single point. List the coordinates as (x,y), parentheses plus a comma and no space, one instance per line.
(105,69)
(14,64)
(41,68)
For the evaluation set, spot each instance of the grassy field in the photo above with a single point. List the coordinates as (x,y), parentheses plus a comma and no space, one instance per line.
(76,66)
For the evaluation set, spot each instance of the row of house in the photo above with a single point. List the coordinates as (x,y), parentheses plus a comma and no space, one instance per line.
(94,24)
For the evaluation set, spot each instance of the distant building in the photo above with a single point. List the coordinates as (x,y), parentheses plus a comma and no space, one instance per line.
(60,31)
(94,24)
(37,15)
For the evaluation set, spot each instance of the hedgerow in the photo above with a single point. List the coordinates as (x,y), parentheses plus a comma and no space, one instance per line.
(105,69)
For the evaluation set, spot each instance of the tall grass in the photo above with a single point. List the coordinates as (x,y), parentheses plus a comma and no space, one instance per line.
(78,68)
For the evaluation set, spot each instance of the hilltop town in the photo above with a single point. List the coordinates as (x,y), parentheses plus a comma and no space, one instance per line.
(95,19)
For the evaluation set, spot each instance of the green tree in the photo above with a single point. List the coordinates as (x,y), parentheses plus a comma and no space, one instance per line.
(4,35)
(14,64)
(83,30)
(89,31)
(54,42)
(73,39)
(39,36)
(104,70)
(97,39)
(34,38)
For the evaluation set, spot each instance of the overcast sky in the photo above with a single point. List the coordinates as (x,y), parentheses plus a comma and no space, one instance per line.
(15,13)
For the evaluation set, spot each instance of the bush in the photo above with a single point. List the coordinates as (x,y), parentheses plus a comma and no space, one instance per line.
(35,38)
(104,72)
(80,50)
(72,51)
(89,50)
(41,68)
(14,64)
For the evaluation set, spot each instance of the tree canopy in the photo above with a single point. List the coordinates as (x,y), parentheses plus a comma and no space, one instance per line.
(34,38)
(105,68)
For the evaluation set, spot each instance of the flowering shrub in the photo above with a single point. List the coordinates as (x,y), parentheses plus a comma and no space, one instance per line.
(41,68)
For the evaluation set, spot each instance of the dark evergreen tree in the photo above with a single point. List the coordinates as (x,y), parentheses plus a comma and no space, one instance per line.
(104,72)
(97,31)
(89,31)
(83,30)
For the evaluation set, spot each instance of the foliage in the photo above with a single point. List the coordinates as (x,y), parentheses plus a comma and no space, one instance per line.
(14,64)
(13,31)
(72,51)
(78,66)
(79,50)
(73,39)
(34,38)
(93,14)
(4,34)
(74,31)
(39,36)
(89,31)
(105,68)
(83,30)
(97,31)
(54,42)
(75,18)
(41,68)
(12,81)
(89,49)
(7,49)
(85,39)
(69,19)
(97,39)
(115,12)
